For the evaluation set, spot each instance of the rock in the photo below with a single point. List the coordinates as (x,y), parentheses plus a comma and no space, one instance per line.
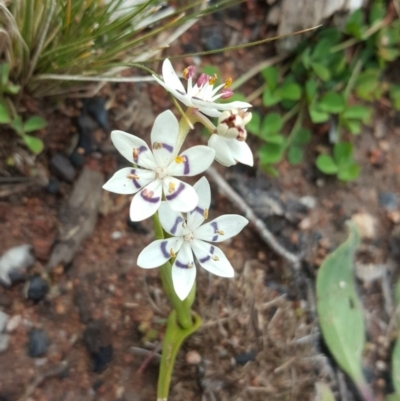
(308,201)
(37,288)
(95,106)
(3,320)
(212,38)
(37,343)
(242,359)
(97,337)
(13,323)
(193,358)
(136,226)
(388,200)
(63,167)
(53,187)
(77,158)
(14,263)
(394,241)
(4,341)
(366,224)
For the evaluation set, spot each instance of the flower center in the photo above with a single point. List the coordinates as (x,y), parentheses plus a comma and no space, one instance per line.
(189,237)
(161,173)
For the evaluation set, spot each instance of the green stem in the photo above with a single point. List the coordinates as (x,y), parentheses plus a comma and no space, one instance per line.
(296,125)
(174,337)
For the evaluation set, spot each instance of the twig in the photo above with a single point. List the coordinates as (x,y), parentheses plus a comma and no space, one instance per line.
(259,225)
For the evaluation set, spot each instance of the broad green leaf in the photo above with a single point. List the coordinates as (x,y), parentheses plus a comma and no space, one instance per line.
(4,116)
(324,393)
(276,138)
(393,397)
(388,53)
(332,102)
(322,49)
(270,98)
(302,136)
(321,71)
(358,112)
(211,70)
(290,91)
(311,89)
(342,152)
(368,85)
(354,126)
(326,164)
(339,309)
(317,116)
(295,154)
(354,25)
(34,123)
(34,144)
(17,125)
(4,72)
(270,170)
(348,172)
(272,124)
(306,58)
(288,104)
(270,74)
(254,125)
(270,153)
(11,89)
(377,12)
(394,93)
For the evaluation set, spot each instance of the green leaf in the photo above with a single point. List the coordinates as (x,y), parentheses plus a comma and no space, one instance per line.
(377,12)
(326,164)
(4,73)
(348,172)
(368,85)
(321,71)
(354,25)
(393,397)
(270,170)
(324,393)
(339,309)
(358,112)
(270,74)
(34,123)
(11,89)
(354,126)
(311,89)
(394,93)
(270,153)
(271,98)
(396,366)
(34,144)
(322,49)
(317,116)
(211,70)
(302,136)
(295,154)
(332,102)
(290,91)
(17,125)
(272,124)
(388,53)
(254,125)
(5,117)
(343,153)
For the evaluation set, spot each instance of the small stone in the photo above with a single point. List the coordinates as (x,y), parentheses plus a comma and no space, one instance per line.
(366,224)
(308,201)
(305,224)
(37,343)
(53,187)
(394,216)
(388,200)
(37,289)
(96,107)
(394,241)
(381,366)
(13,323)
(193,358)
(242,359)
(117,235)
(212,38)
(4,341)
(14,262)
(63,167)
(3,320)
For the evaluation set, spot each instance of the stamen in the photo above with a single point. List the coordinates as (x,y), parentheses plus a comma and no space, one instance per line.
(215,257)
(180,159)
(189,72)
(172,253)
(228,82)
(171,187)
(202,80)
(146,193)
(132,177)
(220,232)
(135,153)
(157,145)
(226,93)
(190,265)
(212,80)
(205,213)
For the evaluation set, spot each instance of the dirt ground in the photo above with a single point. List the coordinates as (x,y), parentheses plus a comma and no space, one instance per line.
(103,318)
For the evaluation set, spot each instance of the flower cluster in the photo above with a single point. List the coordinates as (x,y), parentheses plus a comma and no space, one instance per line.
(182,209)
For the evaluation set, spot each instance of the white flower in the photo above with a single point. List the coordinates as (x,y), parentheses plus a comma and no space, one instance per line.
(229,141)
(188,237)
(202,95)
(159,167)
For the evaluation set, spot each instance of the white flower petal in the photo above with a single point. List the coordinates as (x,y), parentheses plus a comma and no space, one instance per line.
(221,228)
(241,151)
(210,112)
(223,153)
(119,183)
(196,216)
(220,106)
(170,77)
(183,271)
(158,252)
(164,136)
(171,220)
(192,161)
(180,196)
(212,259)
(134,149)
(145,203)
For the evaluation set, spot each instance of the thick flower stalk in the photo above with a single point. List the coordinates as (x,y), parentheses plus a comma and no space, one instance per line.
(202,95)
(188,237)
(154,171)
(229,140)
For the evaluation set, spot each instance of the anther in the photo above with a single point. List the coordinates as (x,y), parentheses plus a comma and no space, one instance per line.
(189,72)
(135,153)
(172,253)
(180,159)
(190,265)
(132,177)
(157,145)
(215,257)
(171,187)
(147,193)
(212,80)
(228,82)
(205,213)
(220,232)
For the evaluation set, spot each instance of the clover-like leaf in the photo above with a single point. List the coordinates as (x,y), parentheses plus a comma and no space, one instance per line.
(332,102)
(270,74)
(5,117)
(326,164)
(34,123)
(272,124)
(254,125)
(34,144)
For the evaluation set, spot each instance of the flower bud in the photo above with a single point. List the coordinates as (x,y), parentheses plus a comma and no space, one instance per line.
(231,124)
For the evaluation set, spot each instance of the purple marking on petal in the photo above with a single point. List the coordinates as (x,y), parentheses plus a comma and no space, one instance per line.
(208,257)
(182,93)
(147,195)
(198,210)
(168,147)
(175,226)
(181,265)
(214,225)
(186,170)
(164,249)
(137,152)
(134,181)
(176,193)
